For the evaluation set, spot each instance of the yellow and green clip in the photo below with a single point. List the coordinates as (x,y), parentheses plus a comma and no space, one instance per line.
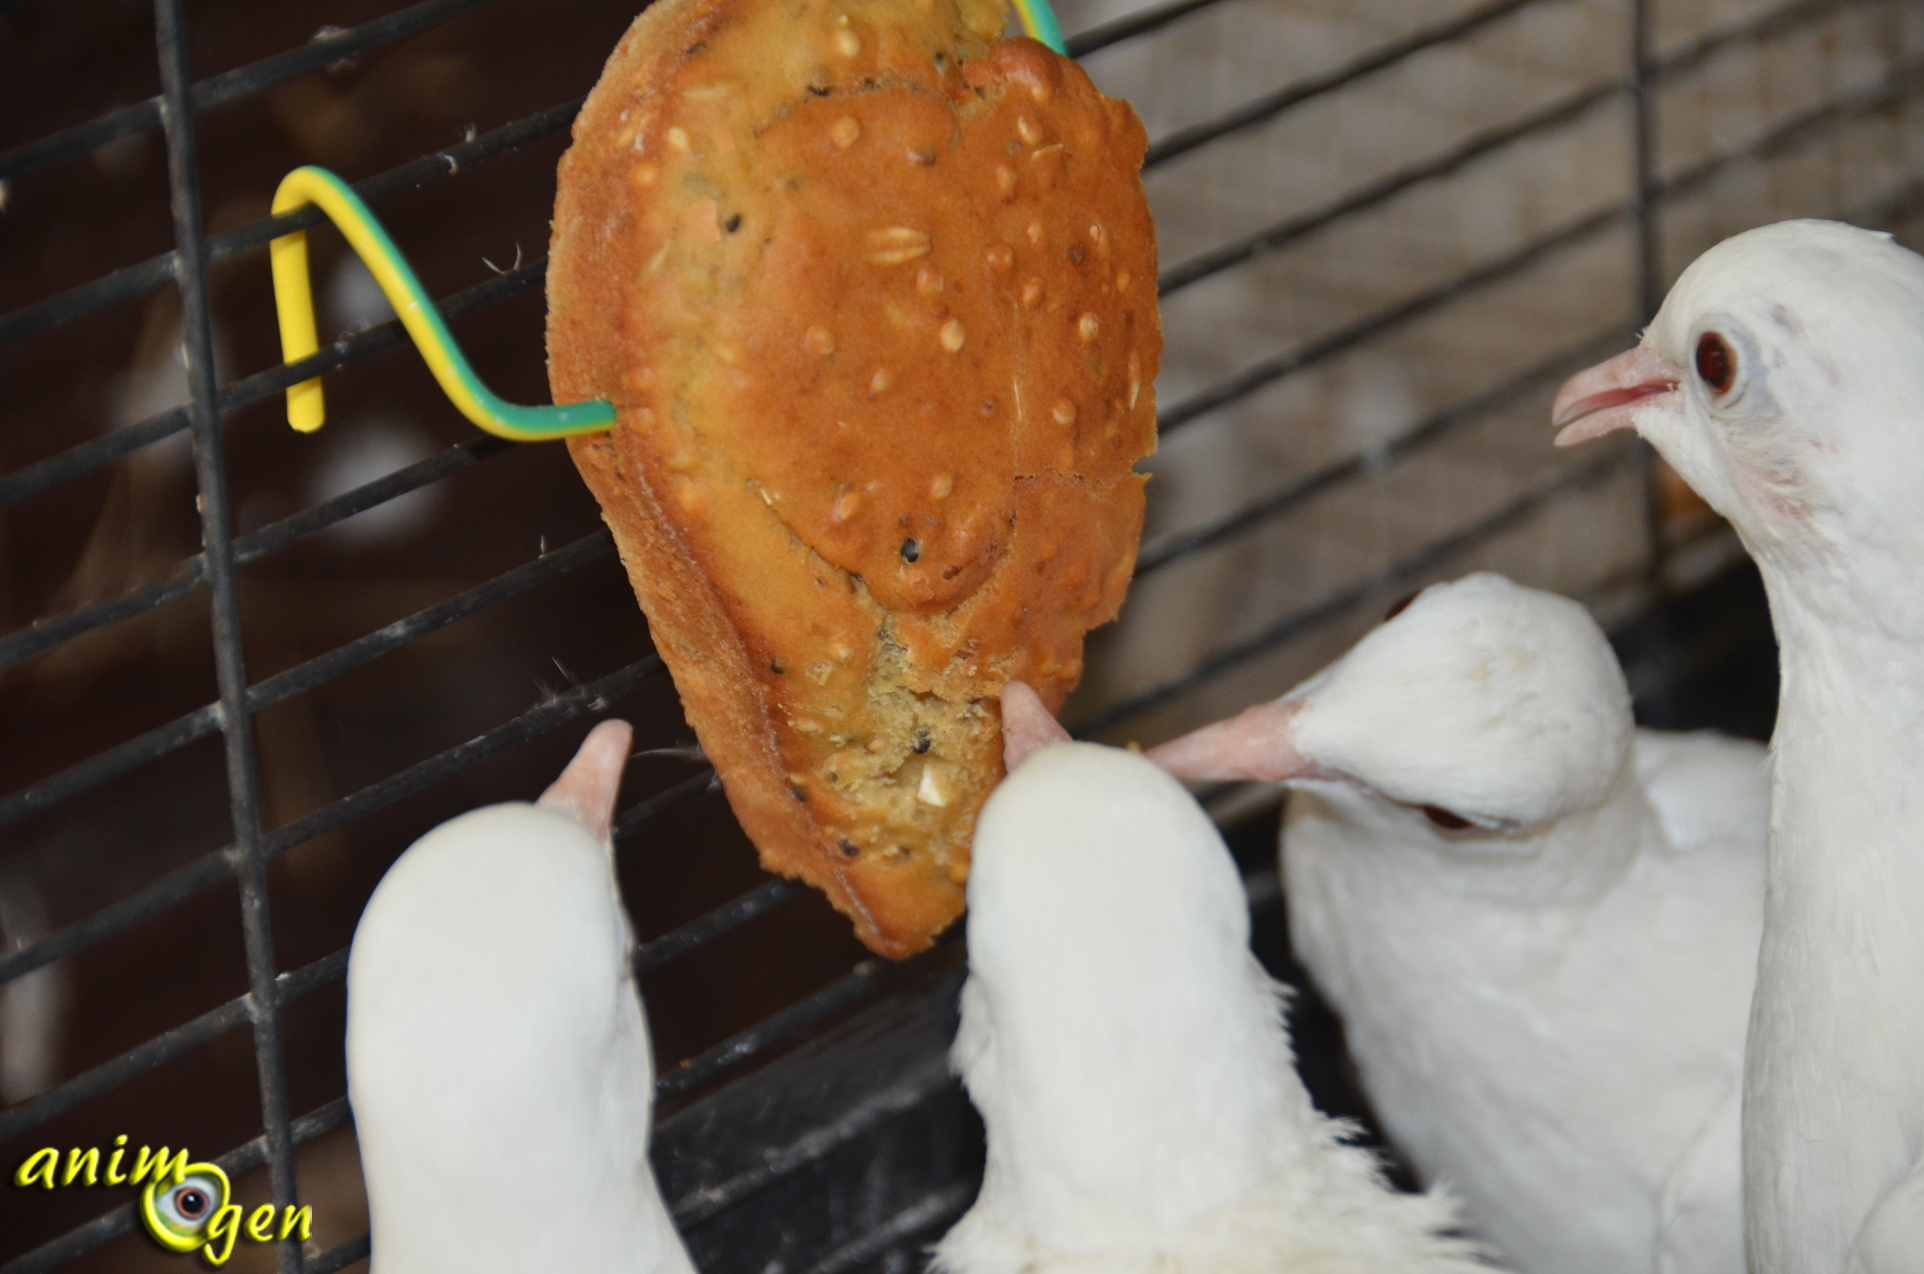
(1039,21)
(294,300)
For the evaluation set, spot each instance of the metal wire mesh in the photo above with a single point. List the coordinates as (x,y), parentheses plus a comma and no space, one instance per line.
(861,1051)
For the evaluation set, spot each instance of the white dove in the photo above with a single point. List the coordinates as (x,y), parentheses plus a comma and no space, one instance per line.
(1784,379)
(497,1053)
(1130,1058)
(1538,925)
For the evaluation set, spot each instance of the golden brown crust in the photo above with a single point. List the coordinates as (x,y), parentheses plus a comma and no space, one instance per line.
(875,301)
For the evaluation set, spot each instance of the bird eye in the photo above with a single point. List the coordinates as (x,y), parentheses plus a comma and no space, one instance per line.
(1444,819)
(1715,362)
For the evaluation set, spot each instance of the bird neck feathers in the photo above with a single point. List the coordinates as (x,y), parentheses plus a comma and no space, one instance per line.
(1185,1105)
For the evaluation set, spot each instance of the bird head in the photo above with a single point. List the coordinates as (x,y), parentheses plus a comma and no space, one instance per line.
(497,1051)
(1782,378)
(1126,1052)
(1479,704)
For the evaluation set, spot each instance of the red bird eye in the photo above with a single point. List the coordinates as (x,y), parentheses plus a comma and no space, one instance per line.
(1715,363)
(1444,819)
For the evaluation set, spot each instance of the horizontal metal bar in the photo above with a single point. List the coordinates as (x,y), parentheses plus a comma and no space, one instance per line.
(1127,27)
(733,914)
(555,712)
(212,867)
(511,583)
(276,536)
(1283,99)
(203,721)
(1747,31)
(111,1074)
(1270,105)
(632,820)
(44,634)
(124,1219)
(1276,367)
(1889,207)
(1178,545)
(1900,81)
(312,976)
(1473,147)
(920,1218)
(866,981)
(328,46)
(102,766)
(1380,585)
(155,272)
(85,457)
(331,968)
(908,1084)
(90,455)
(129,282)
(340,1256)
(160,1050)
(118,917)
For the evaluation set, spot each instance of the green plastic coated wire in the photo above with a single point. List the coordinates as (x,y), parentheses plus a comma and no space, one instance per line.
(293,298)
(1039,20)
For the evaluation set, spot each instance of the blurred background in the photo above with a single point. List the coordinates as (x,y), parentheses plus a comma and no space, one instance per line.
(1387,229)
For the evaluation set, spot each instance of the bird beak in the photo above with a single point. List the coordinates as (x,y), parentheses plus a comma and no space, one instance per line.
(1600,401)
(586,790)
(1026,725)
(1257,744)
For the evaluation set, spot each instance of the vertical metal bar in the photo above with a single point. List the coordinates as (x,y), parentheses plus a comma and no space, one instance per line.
(1643,155)
(1649,297)
(243,787)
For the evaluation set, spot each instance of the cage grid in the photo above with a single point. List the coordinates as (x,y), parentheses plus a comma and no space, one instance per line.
(858,1062)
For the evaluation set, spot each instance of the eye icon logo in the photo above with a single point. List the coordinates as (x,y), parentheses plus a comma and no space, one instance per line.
(178,1213)
(183,1205)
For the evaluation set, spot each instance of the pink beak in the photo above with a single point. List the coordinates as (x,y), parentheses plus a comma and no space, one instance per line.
(1600,401)
(586,790)
(1026,725)
(1258,744)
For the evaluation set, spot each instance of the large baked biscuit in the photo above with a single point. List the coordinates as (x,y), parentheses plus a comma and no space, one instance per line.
(875,299)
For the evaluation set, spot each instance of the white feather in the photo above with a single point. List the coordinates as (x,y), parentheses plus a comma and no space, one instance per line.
(1547,1012)
(498,1057)
(1130,1058)
(1815,452)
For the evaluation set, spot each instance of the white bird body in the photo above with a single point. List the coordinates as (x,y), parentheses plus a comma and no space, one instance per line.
(1784,379)
(1543,977)
(1130,1058)
(498,1056)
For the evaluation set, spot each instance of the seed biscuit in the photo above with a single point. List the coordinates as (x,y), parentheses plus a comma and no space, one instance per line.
(874,296)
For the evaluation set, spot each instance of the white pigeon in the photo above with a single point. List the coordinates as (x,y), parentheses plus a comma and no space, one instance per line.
(1784,379)
(1538,925)
(1130,1057)
(497,1054)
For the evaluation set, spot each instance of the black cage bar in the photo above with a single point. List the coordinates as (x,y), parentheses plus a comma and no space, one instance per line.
(827,1134)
